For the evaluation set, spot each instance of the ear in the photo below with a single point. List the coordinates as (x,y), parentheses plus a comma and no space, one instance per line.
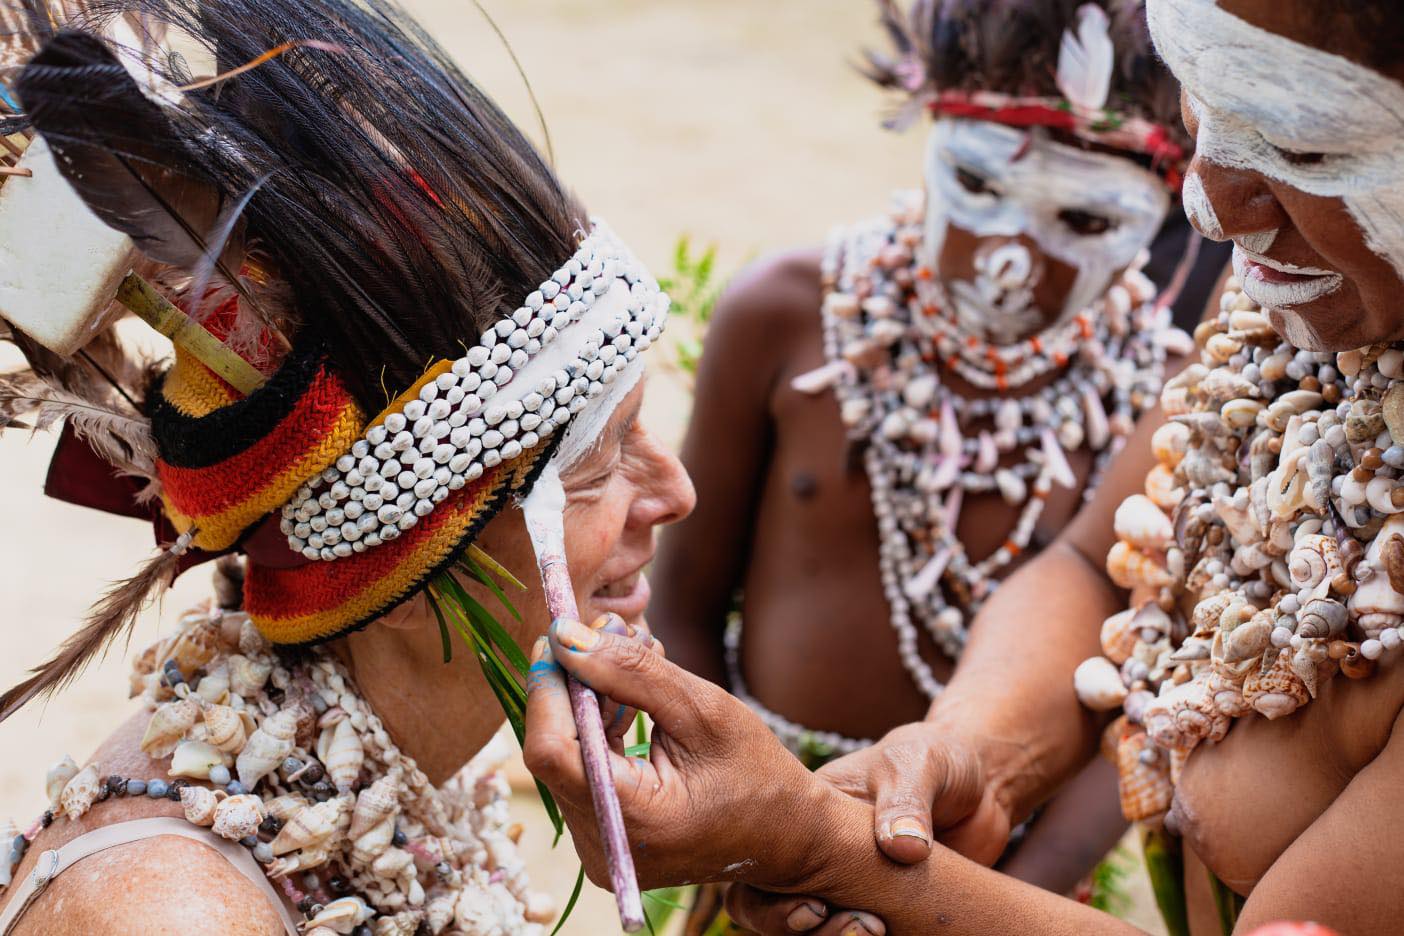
(122,154)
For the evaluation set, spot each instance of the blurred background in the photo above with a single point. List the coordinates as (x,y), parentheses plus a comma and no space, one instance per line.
(736,123)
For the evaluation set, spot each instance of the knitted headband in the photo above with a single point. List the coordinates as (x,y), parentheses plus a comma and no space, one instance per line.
(371,509)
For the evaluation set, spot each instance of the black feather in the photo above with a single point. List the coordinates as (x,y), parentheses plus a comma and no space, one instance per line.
(117,149)
(401,206)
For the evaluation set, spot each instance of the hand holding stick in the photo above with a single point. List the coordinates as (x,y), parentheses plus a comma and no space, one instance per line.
(543,509)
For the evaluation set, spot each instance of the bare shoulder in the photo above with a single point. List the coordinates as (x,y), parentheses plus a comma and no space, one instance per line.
(772,297)
(166,884)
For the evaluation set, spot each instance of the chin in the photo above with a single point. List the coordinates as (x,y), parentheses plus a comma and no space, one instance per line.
(1332,323)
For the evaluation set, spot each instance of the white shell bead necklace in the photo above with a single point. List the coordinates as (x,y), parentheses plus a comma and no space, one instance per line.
(920,454)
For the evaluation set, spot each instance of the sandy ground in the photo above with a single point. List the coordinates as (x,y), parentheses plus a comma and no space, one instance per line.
(735,122)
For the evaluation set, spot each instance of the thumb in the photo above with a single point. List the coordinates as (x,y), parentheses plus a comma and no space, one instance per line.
(631,674)
(933,790)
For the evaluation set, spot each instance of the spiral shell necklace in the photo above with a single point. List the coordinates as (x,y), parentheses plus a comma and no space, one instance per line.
(280,754)
(1277,502)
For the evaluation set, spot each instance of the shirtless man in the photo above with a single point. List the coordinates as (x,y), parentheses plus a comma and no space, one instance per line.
(1023,230)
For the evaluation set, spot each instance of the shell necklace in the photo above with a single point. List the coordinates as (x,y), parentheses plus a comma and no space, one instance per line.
(302,773)
(927,446)
(1278,502)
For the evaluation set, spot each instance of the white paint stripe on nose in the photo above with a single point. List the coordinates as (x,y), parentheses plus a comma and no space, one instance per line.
(1199,209)
(1009,265)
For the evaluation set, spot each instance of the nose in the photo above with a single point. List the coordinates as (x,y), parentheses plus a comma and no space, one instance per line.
(666,493)
(1225,202)
(1009,263)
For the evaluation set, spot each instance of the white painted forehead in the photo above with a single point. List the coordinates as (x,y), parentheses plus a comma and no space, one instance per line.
(1007,154)
(1286,90)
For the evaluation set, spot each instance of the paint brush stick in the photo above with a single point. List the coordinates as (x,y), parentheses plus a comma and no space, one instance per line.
(543,508)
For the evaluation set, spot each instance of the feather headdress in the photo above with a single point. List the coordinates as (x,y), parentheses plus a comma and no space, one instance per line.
(353,198)
(1083,69)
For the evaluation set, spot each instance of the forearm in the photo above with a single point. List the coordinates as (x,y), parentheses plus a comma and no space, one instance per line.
(1012,694)
(961,896)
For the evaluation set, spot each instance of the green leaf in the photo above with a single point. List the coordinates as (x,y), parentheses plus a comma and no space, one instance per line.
(570,904)
(667,896)
(495,567)
(637,750)
(493,633)
(486,638)
(444,637)
(476,571)
(640,728)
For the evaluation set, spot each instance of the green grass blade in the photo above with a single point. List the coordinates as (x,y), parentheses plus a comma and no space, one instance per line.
(444,636)
(570,904)
(495,567)
(492,633)
(476,571)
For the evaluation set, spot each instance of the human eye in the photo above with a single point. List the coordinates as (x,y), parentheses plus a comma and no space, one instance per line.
(1085,223)
(973,182)
(1298,157)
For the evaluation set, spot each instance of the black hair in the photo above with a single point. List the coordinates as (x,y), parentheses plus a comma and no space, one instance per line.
(1011,47)
(403,210)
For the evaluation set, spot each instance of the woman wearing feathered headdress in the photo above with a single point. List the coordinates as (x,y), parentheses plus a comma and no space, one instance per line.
(392,321)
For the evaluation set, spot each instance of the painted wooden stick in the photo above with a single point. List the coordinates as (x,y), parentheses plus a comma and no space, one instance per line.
(542,509)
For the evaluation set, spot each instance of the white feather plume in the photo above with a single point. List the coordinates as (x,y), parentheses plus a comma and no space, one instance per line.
(1086,58)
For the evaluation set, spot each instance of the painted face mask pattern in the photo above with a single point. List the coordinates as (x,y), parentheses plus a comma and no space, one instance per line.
(1026,185)
(1262,101)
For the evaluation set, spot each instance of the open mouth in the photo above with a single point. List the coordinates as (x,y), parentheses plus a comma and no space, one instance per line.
(626,596)
(1274,284)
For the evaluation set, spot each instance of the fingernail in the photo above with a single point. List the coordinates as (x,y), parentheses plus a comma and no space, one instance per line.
(859,927)
(611,623)
(574,635)
(538,649)
(907,827)
(806,916)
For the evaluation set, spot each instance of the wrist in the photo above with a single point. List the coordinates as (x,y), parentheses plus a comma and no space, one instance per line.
(833,829)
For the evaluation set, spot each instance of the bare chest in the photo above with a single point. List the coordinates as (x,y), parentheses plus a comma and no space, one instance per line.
(1242,802)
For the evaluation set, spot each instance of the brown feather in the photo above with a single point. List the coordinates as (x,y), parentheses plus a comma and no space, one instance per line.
(112,616)
(120,437)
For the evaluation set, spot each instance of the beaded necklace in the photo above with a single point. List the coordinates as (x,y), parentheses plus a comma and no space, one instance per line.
(1278,503)
(887,333)
(280,754)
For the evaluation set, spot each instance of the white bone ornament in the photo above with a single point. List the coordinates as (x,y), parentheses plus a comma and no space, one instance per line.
(60,265)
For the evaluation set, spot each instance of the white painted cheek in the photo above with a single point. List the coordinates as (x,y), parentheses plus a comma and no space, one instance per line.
(1255,86)
(1199,209)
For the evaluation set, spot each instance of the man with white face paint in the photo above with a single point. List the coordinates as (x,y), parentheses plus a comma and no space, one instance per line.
(1251,635)
(921,409)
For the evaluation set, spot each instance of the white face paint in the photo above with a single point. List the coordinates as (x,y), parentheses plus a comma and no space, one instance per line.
(1262,100)
(1029,184)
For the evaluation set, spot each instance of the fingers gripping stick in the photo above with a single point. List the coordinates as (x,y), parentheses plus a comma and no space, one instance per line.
(543,508)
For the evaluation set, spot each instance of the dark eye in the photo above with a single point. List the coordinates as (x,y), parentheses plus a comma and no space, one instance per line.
(972,182)
(1084,222)
(1301,159)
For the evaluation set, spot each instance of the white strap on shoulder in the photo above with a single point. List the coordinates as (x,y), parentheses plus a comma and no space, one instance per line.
(54,862)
